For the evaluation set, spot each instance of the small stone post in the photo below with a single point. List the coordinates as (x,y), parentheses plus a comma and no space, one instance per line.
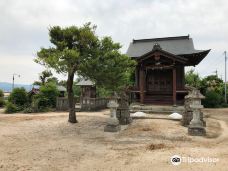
(196,126)
(112,122)
(123,113)
(187,114)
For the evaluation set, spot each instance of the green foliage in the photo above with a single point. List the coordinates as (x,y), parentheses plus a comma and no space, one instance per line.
(211,87)
(53,80)
(212,83)
(1,93)
(192,79)
(11,108)
(77,90)
(212,99)
(72,46)
(47,96)
(45,76)
(18,97)
(2,102)
(62,83)
(102,92)
(79,49)
(110,70)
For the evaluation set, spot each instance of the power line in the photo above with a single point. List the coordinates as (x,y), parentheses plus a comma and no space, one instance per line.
(212,63)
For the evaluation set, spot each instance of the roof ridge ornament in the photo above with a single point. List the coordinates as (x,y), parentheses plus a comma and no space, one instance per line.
(157,47)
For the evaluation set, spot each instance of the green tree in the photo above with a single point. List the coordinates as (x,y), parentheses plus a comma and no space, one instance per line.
(43,77)
(18,97)
(1,93)
(73,46)
(76,90)
(212,99)
(53,80)
(78,49)
(62,83)
(192,79)
(212,83)
(2,102)
(111,70)
(47,96)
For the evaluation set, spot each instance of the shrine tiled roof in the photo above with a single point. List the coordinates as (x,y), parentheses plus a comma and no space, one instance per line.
(182,45)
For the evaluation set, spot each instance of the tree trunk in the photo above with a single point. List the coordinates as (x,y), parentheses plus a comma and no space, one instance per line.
(72,115)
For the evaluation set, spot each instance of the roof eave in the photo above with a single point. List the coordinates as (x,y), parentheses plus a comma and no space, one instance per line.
(178,58)
(196,58)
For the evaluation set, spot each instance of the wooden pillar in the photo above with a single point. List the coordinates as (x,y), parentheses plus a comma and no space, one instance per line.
(174,86)
(141,84)
(137,77)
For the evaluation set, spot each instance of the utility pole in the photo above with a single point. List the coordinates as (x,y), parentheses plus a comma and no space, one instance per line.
(13,80)
(216,72)
(225,76)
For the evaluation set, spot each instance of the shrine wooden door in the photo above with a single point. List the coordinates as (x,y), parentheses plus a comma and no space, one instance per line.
(159,81)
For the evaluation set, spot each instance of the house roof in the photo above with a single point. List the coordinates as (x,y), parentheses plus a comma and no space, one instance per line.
(61,88)
(182,45)
(84,82)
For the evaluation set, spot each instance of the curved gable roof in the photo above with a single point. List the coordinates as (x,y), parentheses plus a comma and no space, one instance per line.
(182,45)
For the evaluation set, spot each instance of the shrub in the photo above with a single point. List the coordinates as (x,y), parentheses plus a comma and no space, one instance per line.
(1,93)
(225,105)
(18,97)
(11,108)
(46,98)
(212,99)
(2,102)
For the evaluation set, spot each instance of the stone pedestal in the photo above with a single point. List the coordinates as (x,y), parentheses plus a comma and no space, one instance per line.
(196,126)
(112,122)
(112,125)
(187,114)
(123,113)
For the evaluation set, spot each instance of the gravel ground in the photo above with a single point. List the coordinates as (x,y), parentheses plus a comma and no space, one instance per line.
(46,141)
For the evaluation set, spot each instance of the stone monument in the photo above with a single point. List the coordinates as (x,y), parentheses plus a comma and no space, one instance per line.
(196,126)
(188,112)
(123,113)
(112,122)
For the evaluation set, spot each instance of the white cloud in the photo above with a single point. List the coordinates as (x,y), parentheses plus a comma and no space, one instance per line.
(24,26)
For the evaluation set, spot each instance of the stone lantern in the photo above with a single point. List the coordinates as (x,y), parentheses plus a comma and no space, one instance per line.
(112,122)
(196,126)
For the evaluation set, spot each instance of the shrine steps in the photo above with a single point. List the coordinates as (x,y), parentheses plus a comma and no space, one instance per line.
(155,109)
(158,99)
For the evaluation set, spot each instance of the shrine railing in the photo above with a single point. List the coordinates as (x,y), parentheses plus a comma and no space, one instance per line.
(91,104)
(85,104)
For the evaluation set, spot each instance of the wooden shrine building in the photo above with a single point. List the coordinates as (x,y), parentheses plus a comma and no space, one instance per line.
(160,73)
(88,88)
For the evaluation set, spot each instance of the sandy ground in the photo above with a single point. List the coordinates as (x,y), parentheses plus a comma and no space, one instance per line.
(46,141)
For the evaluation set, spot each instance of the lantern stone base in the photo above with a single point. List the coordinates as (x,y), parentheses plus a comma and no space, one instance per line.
(112,125)
(123,116)
(187,117)
(196,130)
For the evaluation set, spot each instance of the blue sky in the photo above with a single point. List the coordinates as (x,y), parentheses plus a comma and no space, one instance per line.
(24,28)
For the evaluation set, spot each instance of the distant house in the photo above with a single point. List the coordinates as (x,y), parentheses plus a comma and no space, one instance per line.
(62,91)
(36,90)
(88,88)
(159,75)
